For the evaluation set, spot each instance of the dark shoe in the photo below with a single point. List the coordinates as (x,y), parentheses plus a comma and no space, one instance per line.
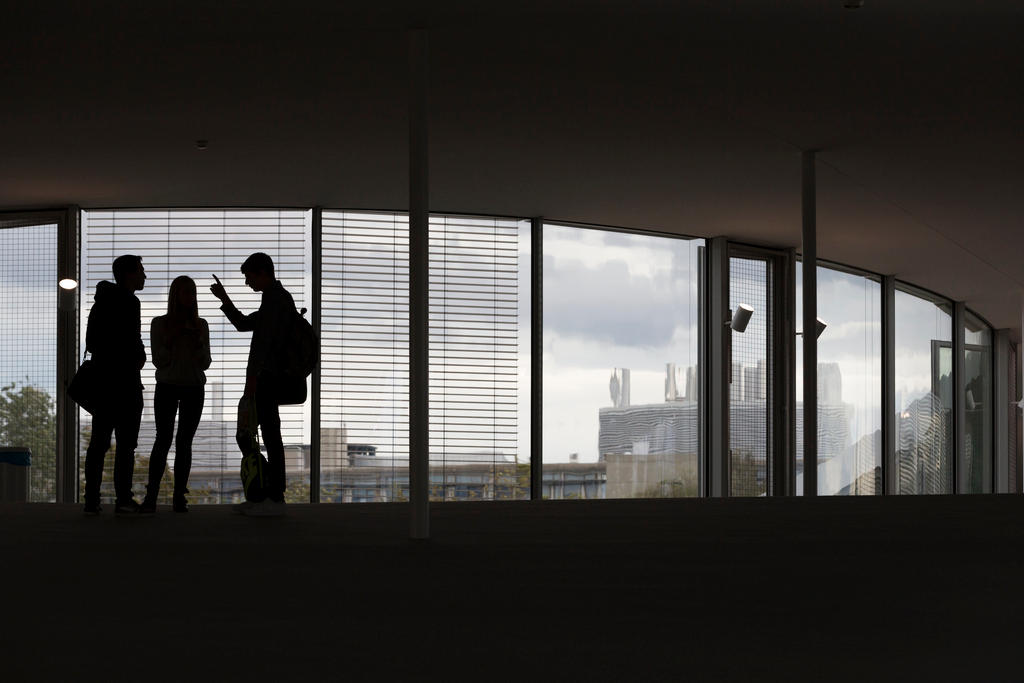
(243,507)
(180,504)
(92,509)
(148,507)
(266,508)
(127,507)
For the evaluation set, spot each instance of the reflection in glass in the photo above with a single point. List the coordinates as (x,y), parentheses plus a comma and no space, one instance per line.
(621,375)
(849,384)
(977,405)
(924,398)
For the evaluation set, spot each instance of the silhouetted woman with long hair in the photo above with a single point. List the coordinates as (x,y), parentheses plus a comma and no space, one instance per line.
(180,343)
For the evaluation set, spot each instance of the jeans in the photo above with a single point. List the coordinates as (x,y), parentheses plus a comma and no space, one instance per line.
(168,401)
(271,393)
(122,419)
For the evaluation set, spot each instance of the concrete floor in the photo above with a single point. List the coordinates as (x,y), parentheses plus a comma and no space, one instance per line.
(772,589)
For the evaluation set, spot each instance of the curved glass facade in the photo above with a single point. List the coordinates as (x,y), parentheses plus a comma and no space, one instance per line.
(620,353)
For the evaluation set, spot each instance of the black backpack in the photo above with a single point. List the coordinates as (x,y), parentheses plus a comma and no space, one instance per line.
(302,350)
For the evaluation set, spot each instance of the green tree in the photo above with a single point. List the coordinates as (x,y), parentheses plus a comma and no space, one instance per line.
(680,487)
(747,474)
(28,418)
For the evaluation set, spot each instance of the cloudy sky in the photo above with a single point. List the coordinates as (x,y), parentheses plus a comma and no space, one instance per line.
(611,300)
(28,305)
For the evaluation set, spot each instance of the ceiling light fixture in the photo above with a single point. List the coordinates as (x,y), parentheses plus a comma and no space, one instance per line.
(67,283)
(853,4)
(202,144)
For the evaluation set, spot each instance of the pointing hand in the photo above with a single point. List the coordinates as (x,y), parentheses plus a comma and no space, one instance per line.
(217,289)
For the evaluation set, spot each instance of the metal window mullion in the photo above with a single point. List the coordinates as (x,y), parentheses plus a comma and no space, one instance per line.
(890,478)
(1001,399)
(315,381)
(784,461)
(68,242)
(810,315)
(718,353)
(961,483)
(536,358)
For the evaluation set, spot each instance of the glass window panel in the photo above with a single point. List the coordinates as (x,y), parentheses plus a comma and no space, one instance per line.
(978,405)
(28,351)
(199,243)
(924,376)
(849,383)
(479,357)
(750,402)
(621,374)
(479,362)
(364,358)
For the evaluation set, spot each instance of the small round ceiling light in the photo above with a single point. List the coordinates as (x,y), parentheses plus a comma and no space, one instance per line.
(67,283)
(853,4)
(202,144)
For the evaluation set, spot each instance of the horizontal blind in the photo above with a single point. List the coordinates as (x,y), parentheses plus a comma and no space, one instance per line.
(364,357)
(474,347)
(474,350)
(198,244)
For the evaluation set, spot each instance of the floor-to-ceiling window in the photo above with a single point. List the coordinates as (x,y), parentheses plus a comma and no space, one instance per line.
(621,348)
(621,372)
(28,349)
(849,383)
(924,393)
(479,328)
(200,244)
(751,417)
(479,367)
(364,357)
(978,414)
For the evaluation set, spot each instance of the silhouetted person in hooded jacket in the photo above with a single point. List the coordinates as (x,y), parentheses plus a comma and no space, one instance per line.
(114,338)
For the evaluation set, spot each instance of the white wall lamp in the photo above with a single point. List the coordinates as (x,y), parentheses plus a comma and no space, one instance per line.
(740,318)
(819,327)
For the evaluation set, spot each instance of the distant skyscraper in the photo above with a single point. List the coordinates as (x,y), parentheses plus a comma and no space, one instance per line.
(736,384)
(671,385)
(754,382)
(830,384)
(691,383)
(677,383)
(618,386)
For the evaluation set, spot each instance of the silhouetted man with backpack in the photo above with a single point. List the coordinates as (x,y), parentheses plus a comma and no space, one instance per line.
(114,338)
(269,380)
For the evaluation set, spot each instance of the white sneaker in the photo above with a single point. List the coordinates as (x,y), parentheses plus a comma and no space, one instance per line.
(266,508)
(241,508)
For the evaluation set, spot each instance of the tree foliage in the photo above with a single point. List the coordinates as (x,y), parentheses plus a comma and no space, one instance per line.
(28,418)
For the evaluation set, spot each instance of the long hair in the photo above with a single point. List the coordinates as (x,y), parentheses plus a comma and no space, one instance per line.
(181,301)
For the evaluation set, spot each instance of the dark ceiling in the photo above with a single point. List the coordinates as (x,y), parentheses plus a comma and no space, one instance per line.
(686,117)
